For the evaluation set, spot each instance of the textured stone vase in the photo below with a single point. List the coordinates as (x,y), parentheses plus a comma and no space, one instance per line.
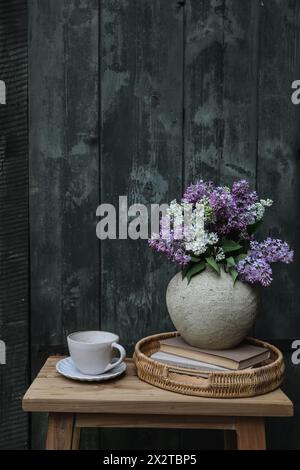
(210,312)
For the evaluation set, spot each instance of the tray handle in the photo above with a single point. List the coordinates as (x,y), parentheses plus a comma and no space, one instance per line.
(171,373)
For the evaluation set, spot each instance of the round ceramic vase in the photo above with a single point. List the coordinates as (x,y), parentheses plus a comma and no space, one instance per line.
(211,312)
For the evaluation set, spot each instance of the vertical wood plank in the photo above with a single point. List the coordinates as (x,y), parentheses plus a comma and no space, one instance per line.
(203,86)
(64,181)
(240,85)
(141,101)
(221,71)
(13,224)
(279,162)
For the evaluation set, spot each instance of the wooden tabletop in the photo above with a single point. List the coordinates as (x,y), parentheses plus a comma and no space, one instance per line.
(50,392)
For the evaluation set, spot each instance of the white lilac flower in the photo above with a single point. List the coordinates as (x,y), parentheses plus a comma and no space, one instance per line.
(208,210)
(220,254)
(174,219)
(187,224)
(266,202)
(200,242)
(257,210)
(175,211)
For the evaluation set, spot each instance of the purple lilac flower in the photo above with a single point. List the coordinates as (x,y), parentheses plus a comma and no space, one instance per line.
(255,271)
(255,268)
(221,202)
(197,191)
(181,258)
(243,195)
(238,223)
(241,217)
(171,249)
(232,210)
(272,250)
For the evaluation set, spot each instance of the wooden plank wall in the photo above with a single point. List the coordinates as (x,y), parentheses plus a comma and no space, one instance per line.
(64,175)
(14,288)
(138,98)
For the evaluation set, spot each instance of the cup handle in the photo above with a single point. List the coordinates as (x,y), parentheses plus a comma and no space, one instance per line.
(121,358)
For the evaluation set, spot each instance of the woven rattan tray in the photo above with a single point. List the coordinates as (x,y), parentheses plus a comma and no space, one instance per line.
(233,384)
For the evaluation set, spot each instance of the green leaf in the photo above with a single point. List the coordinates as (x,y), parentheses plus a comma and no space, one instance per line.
(234,274)
(184,271)
(253,227)
(231,262)
(194,259)
(212,263)
(195,269)
(241,257)
(230,245)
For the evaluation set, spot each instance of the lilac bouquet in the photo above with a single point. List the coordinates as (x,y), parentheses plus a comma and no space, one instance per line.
(223,235)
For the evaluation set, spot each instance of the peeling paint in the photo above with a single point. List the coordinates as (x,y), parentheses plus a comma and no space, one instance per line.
(147,185)
(208,113)
(112,83)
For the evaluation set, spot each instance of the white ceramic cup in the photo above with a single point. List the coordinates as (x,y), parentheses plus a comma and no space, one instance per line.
(92,351)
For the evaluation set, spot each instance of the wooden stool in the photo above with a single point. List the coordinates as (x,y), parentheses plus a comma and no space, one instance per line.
(127,402)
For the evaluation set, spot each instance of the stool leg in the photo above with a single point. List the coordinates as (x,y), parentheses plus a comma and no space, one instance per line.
(250,434)
(60,434)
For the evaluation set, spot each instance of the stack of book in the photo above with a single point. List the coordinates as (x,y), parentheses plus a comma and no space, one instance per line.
(199,362)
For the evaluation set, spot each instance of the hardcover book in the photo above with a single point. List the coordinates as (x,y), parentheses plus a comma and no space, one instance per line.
(241,357)
(190,366)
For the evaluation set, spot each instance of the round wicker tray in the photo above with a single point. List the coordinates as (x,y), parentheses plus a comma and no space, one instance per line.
(233,384)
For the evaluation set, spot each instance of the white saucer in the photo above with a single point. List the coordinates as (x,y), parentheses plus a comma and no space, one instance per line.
(66,367)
